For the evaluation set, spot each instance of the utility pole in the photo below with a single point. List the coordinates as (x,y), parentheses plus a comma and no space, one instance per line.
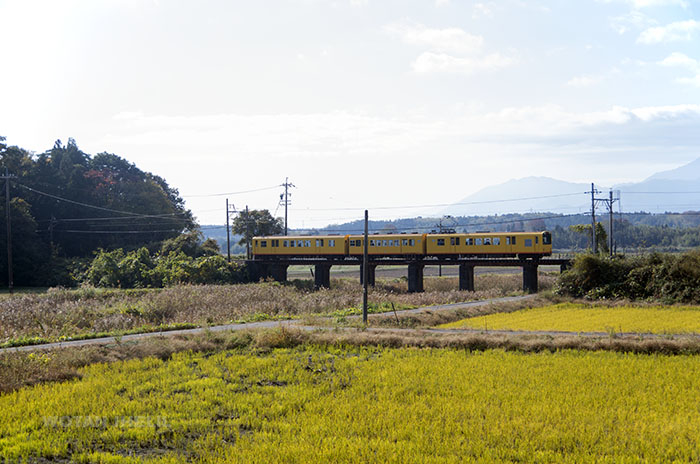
(285,201)
(365,268)
(7,177)
(247,233)
(594,244)
(229,210)
(610,205)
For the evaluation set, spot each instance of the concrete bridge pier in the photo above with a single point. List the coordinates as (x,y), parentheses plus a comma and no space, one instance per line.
(415,277)
(322,276)
(278,272)
(371,275)
(530,277)
(466,277)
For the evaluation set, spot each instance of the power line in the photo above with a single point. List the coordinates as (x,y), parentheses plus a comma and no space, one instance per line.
(230,193)
(56,197)
(443,204)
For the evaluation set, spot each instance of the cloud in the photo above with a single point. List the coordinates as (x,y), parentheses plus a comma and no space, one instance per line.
(430,62)
(677,31)
(482,10)
(342,133)
(677,59)
(632,20)
(450,40)
(585,81)
(641,4)
(448,50)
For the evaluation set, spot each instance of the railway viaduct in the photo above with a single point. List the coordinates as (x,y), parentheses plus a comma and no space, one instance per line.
(277,269)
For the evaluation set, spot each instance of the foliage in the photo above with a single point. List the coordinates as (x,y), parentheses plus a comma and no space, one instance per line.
(664,277)
(585,318)
(138,269)
(310,404)
(256,222)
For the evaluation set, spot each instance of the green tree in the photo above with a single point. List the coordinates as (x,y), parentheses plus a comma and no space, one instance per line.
(601,236)
(255,223)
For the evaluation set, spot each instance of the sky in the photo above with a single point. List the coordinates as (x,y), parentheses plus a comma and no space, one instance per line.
(395,106)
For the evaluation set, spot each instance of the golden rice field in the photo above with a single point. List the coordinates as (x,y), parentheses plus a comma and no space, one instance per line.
(364,405)
(571,317)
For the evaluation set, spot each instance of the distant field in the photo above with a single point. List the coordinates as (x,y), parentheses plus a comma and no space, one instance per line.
(581,318)
(363,405)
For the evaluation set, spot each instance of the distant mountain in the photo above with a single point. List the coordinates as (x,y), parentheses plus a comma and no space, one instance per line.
(676,190)
(530,194)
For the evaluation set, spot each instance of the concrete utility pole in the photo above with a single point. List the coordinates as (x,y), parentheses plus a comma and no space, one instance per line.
(229,209)
(365,268)
(7,177)
(594,243)
(248,237)
(285,201)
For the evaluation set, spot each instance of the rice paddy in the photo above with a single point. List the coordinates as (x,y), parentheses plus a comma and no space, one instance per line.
(333,404)
(582,318)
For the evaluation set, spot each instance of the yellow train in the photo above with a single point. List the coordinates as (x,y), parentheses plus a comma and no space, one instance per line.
(453,246)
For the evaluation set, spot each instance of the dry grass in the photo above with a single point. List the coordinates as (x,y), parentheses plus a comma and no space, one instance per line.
(69,313)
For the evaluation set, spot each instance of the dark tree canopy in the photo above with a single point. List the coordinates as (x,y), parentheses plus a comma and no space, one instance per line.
(69,203)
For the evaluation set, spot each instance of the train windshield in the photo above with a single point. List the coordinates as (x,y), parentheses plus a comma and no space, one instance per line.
(546,238)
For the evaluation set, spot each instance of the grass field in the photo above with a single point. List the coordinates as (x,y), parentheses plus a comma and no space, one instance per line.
(582,318)
(313,404)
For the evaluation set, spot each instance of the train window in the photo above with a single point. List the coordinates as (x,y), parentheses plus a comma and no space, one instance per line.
(537,239)
(507,240)
(371,243)
(291,243)
(308,243)
(469,241)
(319,242)
(477,241)
(487,241)
(300,243)
(546,238)
(512,240)
(263,243)
(285,243)
(441,242)
(384,243)
(396,243)
(496,240)
(404,242)
(528,242)
(412,242)
(331,243)
(454,241)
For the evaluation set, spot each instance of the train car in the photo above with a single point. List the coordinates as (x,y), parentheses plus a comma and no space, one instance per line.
(390,245)
(487,244)
(309,246)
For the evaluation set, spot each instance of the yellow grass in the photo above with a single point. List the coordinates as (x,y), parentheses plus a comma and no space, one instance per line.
(581,318)
(364,405)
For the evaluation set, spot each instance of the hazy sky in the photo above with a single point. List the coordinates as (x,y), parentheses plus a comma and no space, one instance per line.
(361,103)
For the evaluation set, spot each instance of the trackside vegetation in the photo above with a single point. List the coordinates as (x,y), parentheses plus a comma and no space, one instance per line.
(363,404)
(667,278)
